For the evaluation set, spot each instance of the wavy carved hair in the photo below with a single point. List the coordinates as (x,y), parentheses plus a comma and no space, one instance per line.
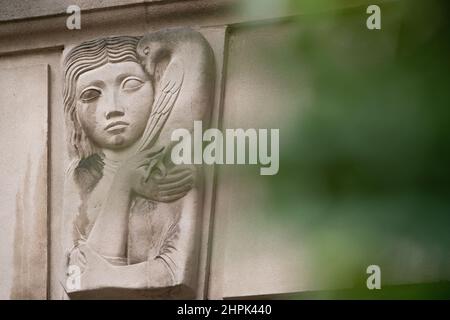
(88,56)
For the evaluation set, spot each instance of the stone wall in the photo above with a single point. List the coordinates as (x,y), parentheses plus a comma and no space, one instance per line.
(241,253)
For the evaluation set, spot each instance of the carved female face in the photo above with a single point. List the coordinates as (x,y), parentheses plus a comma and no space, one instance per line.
(114,103)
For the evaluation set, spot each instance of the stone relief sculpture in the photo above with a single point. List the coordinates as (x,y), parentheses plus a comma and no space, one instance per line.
(132,216)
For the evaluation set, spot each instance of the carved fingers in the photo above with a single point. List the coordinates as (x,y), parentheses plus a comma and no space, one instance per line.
(131,172)
(146,175)
(175,184)
(172,186)
(77,257)
(96,271)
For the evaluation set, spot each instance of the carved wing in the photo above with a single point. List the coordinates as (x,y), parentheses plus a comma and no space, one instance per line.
(169,89)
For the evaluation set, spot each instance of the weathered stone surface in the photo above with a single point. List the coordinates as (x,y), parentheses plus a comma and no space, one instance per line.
(12,10)
(23,172)
(132,215)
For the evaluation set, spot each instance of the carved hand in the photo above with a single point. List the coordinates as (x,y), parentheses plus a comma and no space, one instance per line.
(95,271)
(167,188)
(145,175)
(136,170)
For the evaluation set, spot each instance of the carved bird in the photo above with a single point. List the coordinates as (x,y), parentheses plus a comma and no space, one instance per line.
(180,63)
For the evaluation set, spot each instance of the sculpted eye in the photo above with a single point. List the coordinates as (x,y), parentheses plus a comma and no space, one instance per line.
(131,83)
(90,94)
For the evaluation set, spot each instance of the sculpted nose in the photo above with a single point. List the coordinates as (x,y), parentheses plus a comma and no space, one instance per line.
(113,108)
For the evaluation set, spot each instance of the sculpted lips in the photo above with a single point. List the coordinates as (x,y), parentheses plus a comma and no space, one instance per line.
(116,125)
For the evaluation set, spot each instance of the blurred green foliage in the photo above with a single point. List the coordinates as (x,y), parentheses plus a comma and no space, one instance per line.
(365,167)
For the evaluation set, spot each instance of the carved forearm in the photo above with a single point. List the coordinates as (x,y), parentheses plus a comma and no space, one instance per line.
(108,237)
